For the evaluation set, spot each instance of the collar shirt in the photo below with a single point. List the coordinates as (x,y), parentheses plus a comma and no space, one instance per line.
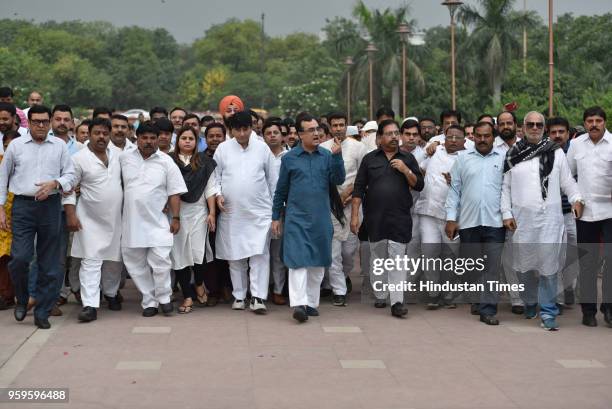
(26,163)
(469,144)
(98,207)
(474,197)
(147,185)
(117,150)
(352,154)
(387,194)
(592,165)
(433,197)
(502,145)
(275,168)
(73,145)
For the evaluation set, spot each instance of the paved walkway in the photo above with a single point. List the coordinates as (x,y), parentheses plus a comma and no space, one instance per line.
(353,357)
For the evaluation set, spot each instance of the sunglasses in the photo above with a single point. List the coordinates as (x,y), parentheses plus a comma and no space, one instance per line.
(539,125)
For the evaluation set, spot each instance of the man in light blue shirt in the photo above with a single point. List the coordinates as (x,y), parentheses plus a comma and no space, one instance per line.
(35,168)
(473,211)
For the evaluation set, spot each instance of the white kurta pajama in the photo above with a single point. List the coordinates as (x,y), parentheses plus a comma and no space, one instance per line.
(146,239)
(245,180)
(99,211)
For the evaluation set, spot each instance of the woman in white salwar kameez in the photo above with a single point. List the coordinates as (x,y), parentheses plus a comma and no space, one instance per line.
(191,247)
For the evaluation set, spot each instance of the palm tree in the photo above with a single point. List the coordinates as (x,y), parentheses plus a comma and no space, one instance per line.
(380,29)
(495,38)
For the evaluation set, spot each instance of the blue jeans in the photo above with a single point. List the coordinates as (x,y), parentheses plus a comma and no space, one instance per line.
(476,242)
(38,220)
(546,288)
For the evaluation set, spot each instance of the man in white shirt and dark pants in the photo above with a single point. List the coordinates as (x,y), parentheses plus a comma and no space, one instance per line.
(245,179)
(590,159)
(96,220)
(150,179)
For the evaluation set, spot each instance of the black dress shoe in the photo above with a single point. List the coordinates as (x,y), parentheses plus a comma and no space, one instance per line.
(167,309)
(312,312)
(489,319)
(42,323)
(149,312)
(399,310)
(475,309)
(589,320)
(20,312)
(88,314)
(299,314)
(349,285)
(119,297)
(339,300)
(380,304)
(518,309)
(113,303)
(326,292)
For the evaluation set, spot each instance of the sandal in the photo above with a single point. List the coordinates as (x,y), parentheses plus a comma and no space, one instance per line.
(201,296)
(185,308)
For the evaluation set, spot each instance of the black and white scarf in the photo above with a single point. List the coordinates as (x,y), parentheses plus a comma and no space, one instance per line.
(524,151)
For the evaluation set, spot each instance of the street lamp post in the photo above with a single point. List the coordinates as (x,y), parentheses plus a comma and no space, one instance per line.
(452,5)
(371,49)
(551,60)
(348,62)
(404,31)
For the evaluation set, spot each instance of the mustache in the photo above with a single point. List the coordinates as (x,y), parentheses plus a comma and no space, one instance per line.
(594,128)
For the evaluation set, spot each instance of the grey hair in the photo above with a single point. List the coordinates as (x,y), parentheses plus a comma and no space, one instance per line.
(535,113)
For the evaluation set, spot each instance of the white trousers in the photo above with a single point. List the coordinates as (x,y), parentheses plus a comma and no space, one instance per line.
(279,271)
(150,271)
(569,274)
(94,273)
(510,276)
(259,276)
(435,244)
(304,286)
(382,250)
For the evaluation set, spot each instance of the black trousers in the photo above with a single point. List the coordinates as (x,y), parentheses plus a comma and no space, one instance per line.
(594,246)
(183,277)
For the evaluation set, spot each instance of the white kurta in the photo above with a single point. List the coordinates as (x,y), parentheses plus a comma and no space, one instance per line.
(245,180)
(98,208)
(538,239)
(191,242)
(432,198)
(147,185)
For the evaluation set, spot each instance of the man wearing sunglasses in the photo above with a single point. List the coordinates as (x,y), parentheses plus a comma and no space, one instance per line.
(36,168)
(535,173)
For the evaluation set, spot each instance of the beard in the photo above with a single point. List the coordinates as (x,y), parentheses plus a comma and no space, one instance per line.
(506,135)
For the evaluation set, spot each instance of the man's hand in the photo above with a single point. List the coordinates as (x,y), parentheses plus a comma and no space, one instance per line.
(355,225)
(175,226)
(510,224)
(4,225)
(221,203)
(72,222)
(276,228)
(347,195)
(577,209)
(431,149)
(336,147)
(211,222)
(451,229)
(45,189)
(400,166)
(447,176)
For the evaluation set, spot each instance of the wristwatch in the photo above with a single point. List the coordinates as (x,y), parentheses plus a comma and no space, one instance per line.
(176,218)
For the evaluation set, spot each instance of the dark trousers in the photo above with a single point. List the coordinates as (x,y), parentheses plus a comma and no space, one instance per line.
(6,286)
(183,277)
(38,220)
(594,246)
(486,243)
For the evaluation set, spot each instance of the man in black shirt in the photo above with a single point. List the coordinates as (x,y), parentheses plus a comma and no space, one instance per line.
(384,180)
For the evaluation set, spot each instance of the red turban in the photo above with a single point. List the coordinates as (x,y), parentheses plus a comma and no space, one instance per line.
(230,100)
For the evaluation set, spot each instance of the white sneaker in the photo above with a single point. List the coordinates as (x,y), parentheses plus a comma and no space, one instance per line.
(238,305)
(257,306)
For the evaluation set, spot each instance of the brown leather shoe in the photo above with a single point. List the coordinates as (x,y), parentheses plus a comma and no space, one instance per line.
(56,312)
(61,301)
(31,303)
(278,299)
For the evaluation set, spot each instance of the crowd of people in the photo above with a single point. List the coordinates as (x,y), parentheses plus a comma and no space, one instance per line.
(248,209)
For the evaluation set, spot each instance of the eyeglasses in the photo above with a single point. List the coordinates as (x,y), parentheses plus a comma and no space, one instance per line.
(39,122)
(393,133)
(539,125)
(413,134)
(313,130)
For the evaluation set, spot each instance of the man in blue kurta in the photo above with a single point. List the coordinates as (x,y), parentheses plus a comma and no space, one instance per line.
(306,174)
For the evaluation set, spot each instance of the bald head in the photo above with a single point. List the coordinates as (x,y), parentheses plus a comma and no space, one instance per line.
(35,98)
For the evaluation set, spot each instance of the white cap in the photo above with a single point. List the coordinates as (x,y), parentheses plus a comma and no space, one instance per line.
(414,118)
(370,126)
(352,130)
